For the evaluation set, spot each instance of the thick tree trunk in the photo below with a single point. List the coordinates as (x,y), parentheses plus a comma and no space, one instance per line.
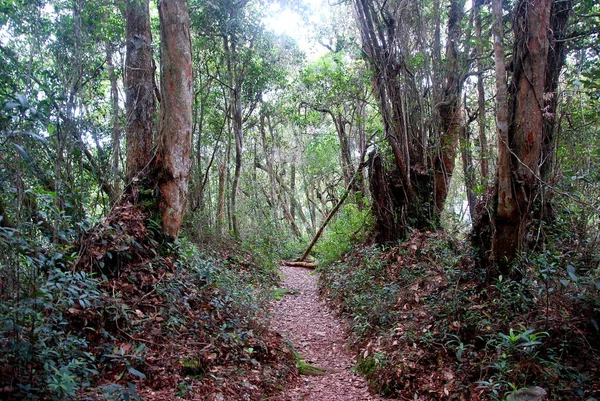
(520,127)
(561,11)
(139,79)
(387,227)
(173,157)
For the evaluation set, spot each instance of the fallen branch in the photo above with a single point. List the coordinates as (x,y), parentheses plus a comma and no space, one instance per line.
(331,214)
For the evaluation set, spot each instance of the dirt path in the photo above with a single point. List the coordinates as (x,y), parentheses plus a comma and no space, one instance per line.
(318,335)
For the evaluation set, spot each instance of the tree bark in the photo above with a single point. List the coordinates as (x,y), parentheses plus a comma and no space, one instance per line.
(116,125)
(520,129)
(221,201)
(468,170)
(173,160)
(481,120)
(139,79)
(557,52)
(449,110)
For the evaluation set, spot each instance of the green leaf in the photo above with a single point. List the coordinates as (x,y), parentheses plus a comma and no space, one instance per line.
(10,105)
(136,372)
(21,151)
(22,101)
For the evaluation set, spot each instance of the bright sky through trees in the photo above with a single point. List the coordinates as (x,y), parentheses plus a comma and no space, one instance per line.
(300,27)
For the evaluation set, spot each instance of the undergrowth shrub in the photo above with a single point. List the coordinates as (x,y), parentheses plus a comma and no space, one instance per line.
(41,349)
(427,325)
(170,315)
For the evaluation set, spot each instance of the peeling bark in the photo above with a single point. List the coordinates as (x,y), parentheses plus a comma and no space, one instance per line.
(173,160)
(520,128)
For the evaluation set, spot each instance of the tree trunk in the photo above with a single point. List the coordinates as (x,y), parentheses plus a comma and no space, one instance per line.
(468,170)
(221,202)
(293,191)
(561,11)
(116,126)
(449,110)
(481,120)
(175,135)
(520,126)
(139,78)
(235,84)
(386,224)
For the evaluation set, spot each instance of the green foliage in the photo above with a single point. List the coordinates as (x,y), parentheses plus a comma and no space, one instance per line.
(40,308)
(348,227)
(322,156)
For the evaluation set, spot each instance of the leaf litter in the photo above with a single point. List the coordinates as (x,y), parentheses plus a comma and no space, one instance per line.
(319,337)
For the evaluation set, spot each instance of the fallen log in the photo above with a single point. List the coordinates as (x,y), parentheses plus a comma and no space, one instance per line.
(313,264)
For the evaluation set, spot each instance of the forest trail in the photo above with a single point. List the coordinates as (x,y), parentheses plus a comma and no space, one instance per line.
(318,336)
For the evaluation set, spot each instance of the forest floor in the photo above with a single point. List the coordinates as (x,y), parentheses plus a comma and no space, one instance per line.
(319,337)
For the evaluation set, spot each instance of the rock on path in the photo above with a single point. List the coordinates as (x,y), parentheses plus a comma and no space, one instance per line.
(318,335)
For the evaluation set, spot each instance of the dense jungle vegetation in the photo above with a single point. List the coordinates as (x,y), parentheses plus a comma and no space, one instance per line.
(159,159)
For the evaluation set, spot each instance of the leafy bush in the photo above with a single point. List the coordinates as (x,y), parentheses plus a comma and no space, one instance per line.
(42,349)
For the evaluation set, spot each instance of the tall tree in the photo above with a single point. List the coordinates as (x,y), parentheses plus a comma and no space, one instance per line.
(175,128)
(520,120)
(139,81)
(449,108)
(169,168)
(416,179)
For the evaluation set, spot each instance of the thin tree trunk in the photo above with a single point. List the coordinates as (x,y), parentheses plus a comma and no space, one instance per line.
(221,201)
(481,120)
(329,217)
(175,134)
(268,161)
(116,127)
(468,170)
(235,93)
